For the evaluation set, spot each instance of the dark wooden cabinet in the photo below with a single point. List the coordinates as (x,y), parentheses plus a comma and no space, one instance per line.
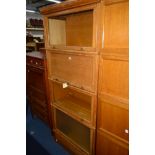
(36,84)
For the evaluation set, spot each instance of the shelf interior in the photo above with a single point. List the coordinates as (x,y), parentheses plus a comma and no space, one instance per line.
(73,102)
(74,29)
(75,131)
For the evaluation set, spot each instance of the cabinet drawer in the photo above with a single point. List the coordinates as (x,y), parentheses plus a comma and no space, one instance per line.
(36,93)
(76,69)
(35,77)
(41,115)
(34,61)
(40,103)
(38,109)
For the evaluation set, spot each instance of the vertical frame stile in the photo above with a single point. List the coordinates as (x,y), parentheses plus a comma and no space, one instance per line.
(51,90)
(46,31)
(51,103)
(95,110)
(94,41)
(92,110)
(101,29)
(100,45)
(92,141)
(49,73)
(48,53)
(54,118)
(97,16)
(47,84)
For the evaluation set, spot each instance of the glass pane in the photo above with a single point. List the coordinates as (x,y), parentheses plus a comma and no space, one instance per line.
(77,132)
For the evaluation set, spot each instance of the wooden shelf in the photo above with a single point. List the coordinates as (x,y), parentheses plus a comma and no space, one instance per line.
(35,29)
(75,106)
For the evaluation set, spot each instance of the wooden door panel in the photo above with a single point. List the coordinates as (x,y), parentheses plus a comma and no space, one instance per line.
(107,145)
(114,77)
(114,119)
(116,25)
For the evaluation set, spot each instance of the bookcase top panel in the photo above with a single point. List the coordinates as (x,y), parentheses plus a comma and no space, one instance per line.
(65,6)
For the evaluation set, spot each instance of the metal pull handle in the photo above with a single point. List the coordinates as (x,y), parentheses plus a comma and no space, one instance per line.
(126,131)
(69,58)
(65,85)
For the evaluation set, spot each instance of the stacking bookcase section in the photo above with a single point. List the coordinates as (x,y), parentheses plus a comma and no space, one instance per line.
(71,34)
(75,134)
(74,29)
(79,70)
(80,105)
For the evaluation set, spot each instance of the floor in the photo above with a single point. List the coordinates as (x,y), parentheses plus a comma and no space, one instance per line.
(39,139)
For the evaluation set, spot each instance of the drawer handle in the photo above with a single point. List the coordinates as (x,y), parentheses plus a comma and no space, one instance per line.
(36,63)
(31,61)
(65,85)
(126,131)
(69,58)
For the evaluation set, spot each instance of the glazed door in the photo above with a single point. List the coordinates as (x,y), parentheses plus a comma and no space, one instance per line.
(78,70)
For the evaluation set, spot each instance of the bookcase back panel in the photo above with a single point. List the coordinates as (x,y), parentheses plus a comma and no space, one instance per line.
(57,32)
(74,29)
